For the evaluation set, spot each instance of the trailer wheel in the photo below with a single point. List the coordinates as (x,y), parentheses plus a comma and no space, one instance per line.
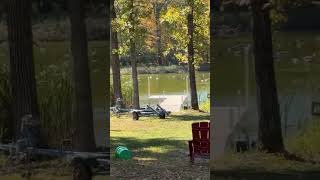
(162,115)
(135,116)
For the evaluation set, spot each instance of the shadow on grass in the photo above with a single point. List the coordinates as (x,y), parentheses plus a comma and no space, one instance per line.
(156,158)
(188,117)
(152,147)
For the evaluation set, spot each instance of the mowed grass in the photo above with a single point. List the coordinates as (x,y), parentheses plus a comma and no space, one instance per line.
(305,144)
(159,146)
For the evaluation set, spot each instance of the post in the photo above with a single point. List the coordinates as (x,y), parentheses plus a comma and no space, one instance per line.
(246,74)
(187,87)
(149,86)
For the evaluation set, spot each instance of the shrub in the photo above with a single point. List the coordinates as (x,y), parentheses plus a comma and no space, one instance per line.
(127,90)
(205,106)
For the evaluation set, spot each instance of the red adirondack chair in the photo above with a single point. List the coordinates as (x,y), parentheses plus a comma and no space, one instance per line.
(199,146)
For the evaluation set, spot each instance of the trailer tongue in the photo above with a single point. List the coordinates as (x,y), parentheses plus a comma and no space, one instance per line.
(150,111)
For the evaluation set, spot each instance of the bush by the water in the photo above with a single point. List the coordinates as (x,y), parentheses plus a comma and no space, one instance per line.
(205,106)
(127,90)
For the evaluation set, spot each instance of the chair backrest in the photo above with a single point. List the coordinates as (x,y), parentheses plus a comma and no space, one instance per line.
(201,137)
(201,131)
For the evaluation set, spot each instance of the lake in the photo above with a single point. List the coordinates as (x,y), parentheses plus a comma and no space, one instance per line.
(169,84)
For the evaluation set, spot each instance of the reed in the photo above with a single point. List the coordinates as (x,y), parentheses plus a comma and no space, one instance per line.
(55,97)
(55,94)
(5,102)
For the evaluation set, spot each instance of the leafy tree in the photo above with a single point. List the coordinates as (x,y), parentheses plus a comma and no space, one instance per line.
(188,23)
(133,34)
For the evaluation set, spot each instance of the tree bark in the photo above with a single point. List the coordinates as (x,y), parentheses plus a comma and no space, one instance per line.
(191,69)
(44,6)
(83,116)
(157,11)
(22,73)
(270,135)
(115,61)
(135,100)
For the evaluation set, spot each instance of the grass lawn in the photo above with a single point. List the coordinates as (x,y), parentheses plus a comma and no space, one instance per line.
(305,144)
(159,147)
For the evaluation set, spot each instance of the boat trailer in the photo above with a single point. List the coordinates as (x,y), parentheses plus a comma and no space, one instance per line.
(150,111)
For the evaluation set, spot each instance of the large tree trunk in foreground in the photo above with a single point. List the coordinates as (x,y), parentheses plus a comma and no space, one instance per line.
(270,135)
(83,116)
(115,61)
(157,11)
(133,57)
(191,69)
(22,73)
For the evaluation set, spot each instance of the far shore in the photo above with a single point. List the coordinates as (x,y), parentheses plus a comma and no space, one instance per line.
(162,69)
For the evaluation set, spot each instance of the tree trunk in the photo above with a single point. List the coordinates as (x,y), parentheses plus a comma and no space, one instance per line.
(44,6)
(22,73)
(270,135)
(135,100)
(157,11)
(83,116)
(115,61)
(191,69)
(212,85)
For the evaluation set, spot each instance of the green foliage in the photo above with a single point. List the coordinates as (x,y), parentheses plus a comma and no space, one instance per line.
(306,143)
(127,91)
(55,94)
(122,24)
(205,106)
(173,25)
(174,20)
(280,8)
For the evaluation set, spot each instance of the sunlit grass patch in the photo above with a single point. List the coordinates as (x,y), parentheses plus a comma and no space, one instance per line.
(158,145)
